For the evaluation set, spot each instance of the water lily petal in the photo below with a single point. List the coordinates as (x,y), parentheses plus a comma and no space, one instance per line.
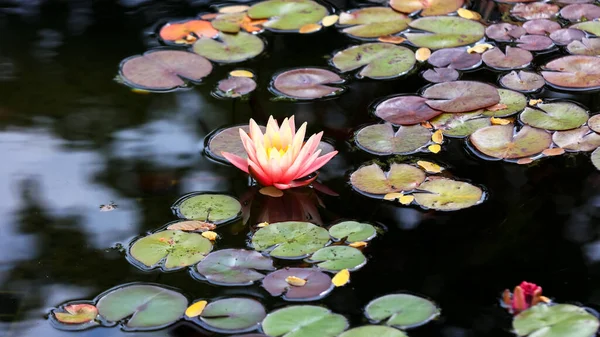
(318,163)
(238,162)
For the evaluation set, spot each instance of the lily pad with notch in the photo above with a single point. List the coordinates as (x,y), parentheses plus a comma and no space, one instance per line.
(317,285)
(445,32)
(307,83)
(580,12)
(576,72)
(580,139)
(402,311)
(336,258)
(352,231)
(535,42)
(440,75)
(427,8)
(534,10)
(505,142)
(511,102)
(587,46)
(504,32)
(512,58)
(210,207)
(234,267)
(373,330)
(377,60)
(460,125)
(592,27)
(541,26)
(455,58)
(290,239)
(231,49)
(373,22)
(564,320)
(233,87)
(461,96)
(288,15)
(523,81)
(304,321)
(380,139)
(405,110)
(228,140)
(564,36)
(163,69)
(373,181)
(232,315)
(555,116)
(448,195)
(75,316)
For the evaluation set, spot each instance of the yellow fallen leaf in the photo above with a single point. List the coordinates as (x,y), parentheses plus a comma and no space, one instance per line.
(429,166)
(426,125)
(241,73)
(341,278)
(524,161)
(422,54)
(358,244)
(295,281)
(391,39)
(497,107)
(535,101)
(262,224)
(434,148)
(438,137)
(500,121)
(271,191)
(392,196)
(467,14)
(192,225)
(212,236)
(195,309)
(479,48)
(557,151)
(545,299)
(233,9)
(140,91)
(406,199)
(310,28)
(329,20)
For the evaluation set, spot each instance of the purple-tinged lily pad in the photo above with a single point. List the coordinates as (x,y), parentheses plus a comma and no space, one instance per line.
(578,72)
(535,10)
(440,75)
(234,267)
(535,42)
(580,12)
(523,81)
(232,315)
(512,102)
(236,86)
(594,123)
(461,96)
(455,58)
(460,125)
(373,181)
(514,58)
(592,27)
(555,116)
(307,83)
(405,110)
(503,142)
(373,22)
(164,69)
(380,139)
(318,284)
(596,158)
(77,313)
(568,2)
(587,46)
(541,26)
(504,32)
(580,139)
(336,258)
(232,48)
(565,36)
(445,32)
(228,140)
(288,15)
(380,60)
(427,8)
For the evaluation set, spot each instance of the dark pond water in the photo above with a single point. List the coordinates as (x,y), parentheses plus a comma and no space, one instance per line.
(71,139)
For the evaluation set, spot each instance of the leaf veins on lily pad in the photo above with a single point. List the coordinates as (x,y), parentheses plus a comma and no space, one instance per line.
(308,83)
(504,142)
(233,315)
(290,240)
(373,22)
(461,96)
(535,42)
(445,32)
(234,267)
(288,15)
(381,139)
(448,195)
(427,8)
(317,286)
(564,320)
(373,181)
(304,321)
(405,110)
(514,58)
(555,116)
(232,47)
(377,60)
(403,311)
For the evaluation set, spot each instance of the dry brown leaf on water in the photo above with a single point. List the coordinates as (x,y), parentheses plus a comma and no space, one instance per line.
(427,125)
(467,14)
(434,148)
(497,107)
(310,28)
(271,191)
(192,225)
(480,48)
(500,121)
(209,16)
(241,73)
(533,102)
(195,309)
(212,236)
(262,224)
(391,39)
(438,137)
(233,9)
(358,244)
(295,281)
(422,54)
(341,278)
(524,161)
(251,25)
(556,151)
(329,20)
(429,166)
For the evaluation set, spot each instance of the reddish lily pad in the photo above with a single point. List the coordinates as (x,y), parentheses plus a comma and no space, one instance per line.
(504,32)
(236,86)
(234,267)
(307,83)
(288,15)
(427,8)
(565,36)
(232,48)
(535,10)
(576,72)
(580,139)
(514,58)
(455,58)
(580,12)
(535,42)
(380,139)
(524,81)
(445,32)
(592,27)
(77,314)
(448,195)
(568,2)
(373,181)
(380,60)
(460,125)
(461,96)
(511,101)
(504,142)
(373,22)
(318,284)
(405,110)
(187,31)
(440,75)
(164,69)
(541,26)
(587,46)
(555,116)
(232,315)
(594,123)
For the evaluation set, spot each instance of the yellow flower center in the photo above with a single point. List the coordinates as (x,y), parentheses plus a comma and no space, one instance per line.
(274,152)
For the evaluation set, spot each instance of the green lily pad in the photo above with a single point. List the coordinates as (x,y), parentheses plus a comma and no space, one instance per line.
(427,8)
(336,258)
(380,60)
(592,27)
(233,315)
(445,32)
(373,22)
(523,81)
(373,330)
(290,240)
(288,15)
(372,180)
(448,195)
(503,142)
(580,139)
(214,208)
(515,102)
(232,48)
(228,140)
(555,116)
(171,250)
(317,286)
(405,110)
(461,96)
(596,158)
(575,72)
(76,313)
(460,125)
(561,320)
(353,231)
(304,321)
(402,311)
(234,267)
(142,306)
(380,139)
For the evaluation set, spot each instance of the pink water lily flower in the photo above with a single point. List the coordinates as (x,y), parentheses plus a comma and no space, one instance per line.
(280,157)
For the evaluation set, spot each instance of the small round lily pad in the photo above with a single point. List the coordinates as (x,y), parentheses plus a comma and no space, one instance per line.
(448,195)
(455,58)
(381,139)
(336,258)
(594,123)
(76,313)
(373,330)
(377,60)
(234,267)
(290,240)
(504,142)
(440,75)
(460,125)
(215,208)
(504,32)
(317,286)
(235,87)
(402,311)
(523,81)
(374,182)
(233,315)
(373,22)
(513,58)
(445,32)
(461,96)
(307,83)
(564,320)
(405,110)
(535,42)
(287,15)
(555,116)
(353,231)
(580,139)
(304,321)
(231,49)
(577,72)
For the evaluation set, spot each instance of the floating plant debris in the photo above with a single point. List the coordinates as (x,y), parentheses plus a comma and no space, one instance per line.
(373,330)
(427,8)
(440,75)
(402,311)
(555,116)
(448,195)
(308,83)
(372,180)
(373,22)
(445,32)
(290,240)
(234,267)
(502,142)
(341,278)
(513,58)
(377,60)
(422,54)
(228,140)
(233,315)
(580,139)
(195,309)
(187,32)
(521,80)
(317,285)
(405,110)
(461,96)
(77,314)
(231,49)
(455,58)
(288,15)
(192,226)
(214,208)
(235,87)
(352,231)
(381,139)
(336,258)
(555,320)
(304,321)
